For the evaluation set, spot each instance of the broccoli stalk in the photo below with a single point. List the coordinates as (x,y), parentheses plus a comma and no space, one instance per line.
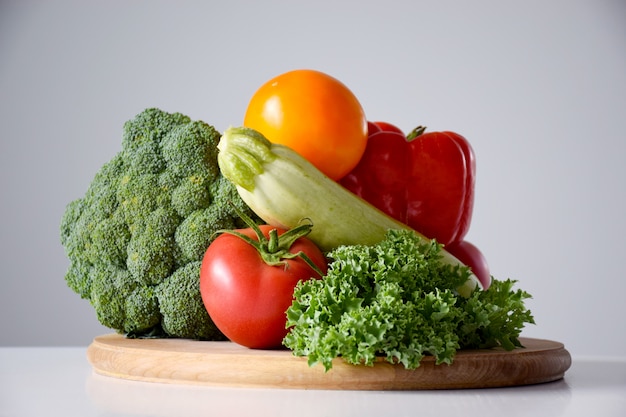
(136,238)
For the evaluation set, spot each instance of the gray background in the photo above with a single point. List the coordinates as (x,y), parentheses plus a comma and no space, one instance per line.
(538,87)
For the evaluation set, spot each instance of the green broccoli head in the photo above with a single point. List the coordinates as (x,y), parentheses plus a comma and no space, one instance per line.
(136,238)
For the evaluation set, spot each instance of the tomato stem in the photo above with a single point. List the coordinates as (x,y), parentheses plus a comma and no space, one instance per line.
(275,250)
(273,242)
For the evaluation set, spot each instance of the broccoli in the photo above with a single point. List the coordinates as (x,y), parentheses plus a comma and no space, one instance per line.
(135,240)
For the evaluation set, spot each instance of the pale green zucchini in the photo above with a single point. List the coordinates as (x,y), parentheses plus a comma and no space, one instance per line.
(285,189)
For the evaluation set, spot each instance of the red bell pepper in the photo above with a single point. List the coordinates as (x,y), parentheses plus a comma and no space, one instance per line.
(471,256)
(425,180)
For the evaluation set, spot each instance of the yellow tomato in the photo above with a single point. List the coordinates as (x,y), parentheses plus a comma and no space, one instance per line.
(314,114)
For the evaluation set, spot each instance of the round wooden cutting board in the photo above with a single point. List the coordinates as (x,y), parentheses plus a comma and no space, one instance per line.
(183,361)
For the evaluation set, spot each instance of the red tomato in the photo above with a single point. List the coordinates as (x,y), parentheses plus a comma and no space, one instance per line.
(246,298)
(314,114)
(471,256)
(388,127)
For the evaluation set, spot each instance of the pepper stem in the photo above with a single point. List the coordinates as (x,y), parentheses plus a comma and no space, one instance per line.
(419,130)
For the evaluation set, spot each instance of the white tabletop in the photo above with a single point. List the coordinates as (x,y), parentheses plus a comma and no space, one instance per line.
(60,382)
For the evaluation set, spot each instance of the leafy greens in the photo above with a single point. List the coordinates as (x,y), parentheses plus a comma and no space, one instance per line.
(396,301)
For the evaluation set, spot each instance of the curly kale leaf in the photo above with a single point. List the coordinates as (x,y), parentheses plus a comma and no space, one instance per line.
(396,300)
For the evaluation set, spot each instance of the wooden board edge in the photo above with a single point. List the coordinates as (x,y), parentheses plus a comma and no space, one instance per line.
(227,365)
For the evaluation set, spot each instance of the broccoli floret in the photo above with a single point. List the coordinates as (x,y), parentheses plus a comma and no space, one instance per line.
(195,158)
(120,302)
(151,249)
(224,190)
(136,238)
(197,231)
(181,305)
(190,195)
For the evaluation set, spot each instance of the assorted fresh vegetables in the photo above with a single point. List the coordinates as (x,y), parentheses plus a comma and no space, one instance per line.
(283,188)
(308,228)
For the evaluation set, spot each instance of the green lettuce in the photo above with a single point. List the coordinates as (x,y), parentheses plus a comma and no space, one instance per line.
(397,300)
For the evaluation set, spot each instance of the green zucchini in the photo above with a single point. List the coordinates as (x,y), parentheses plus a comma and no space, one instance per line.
(284,189)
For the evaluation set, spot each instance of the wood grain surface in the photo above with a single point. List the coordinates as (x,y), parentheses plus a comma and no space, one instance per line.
(181,361)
